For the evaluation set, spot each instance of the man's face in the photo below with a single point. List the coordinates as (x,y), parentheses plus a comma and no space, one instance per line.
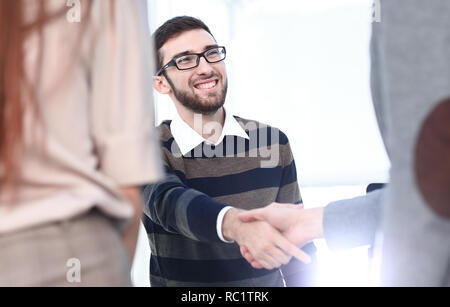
(201,89)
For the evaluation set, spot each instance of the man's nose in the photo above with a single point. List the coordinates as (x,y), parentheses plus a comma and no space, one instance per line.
(203,67)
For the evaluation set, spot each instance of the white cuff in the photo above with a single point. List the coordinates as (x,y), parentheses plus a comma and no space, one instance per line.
(219,223)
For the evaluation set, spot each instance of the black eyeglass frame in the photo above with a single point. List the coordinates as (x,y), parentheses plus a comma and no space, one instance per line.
(199,55)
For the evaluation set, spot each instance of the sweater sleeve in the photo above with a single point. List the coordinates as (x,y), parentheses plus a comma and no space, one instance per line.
(352,222)
(180,209)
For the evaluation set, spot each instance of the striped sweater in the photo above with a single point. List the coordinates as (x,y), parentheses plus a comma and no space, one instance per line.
(181,211)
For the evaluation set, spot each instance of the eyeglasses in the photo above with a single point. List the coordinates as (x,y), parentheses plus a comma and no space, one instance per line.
(191,60)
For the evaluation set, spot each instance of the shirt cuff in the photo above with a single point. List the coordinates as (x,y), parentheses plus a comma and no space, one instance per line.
(219,223)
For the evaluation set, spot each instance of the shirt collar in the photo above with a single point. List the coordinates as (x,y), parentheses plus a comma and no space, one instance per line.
(187,138)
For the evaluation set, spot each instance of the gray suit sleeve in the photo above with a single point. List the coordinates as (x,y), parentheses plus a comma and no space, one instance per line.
(352,222)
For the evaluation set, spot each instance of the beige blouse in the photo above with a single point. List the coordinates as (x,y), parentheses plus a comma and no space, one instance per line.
(96,131)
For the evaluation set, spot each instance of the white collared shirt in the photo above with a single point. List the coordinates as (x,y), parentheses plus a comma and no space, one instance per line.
(187,139)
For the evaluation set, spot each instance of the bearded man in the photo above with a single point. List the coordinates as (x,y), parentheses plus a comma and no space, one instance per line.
(216,166)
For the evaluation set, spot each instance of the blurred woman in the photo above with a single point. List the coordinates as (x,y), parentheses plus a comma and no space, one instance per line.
(76,140)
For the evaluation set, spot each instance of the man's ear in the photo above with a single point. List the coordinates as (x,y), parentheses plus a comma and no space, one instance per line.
(161,85)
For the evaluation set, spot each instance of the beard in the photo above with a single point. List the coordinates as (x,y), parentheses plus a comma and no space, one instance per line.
(197,104)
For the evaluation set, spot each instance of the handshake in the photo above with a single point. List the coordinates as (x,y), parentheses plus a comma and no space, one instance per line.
(269,237)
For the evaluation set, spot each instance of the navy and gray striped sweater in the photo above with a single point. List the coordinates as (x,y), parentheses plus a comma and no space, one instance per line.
(181,211)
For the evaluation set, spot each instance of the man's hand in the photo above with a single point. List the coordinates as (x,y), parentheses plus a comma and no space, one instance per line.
(297,225)
(268,247)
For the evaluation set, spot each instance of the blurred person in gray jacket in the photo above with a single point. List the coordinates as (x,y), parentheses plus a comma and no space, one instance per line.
(410,79)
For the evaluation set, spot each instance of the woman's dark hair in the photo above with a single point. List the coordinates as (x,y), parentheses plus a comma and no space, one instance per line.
(172,28)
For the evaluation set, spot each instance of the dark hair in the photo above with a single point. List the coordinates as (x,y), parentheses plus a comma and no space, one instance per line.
(172,28)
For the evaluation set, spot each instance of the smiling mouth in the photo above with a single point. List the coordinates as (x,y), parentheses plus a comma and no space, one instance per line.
(207,85)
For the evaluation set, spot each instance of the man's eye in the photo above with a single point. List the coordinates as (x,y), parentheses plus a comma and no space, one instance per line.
(213,53)
(185,59)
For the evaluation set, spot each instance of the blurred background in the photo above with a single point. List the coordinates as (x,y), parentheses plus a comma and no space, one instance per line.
(301,66)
